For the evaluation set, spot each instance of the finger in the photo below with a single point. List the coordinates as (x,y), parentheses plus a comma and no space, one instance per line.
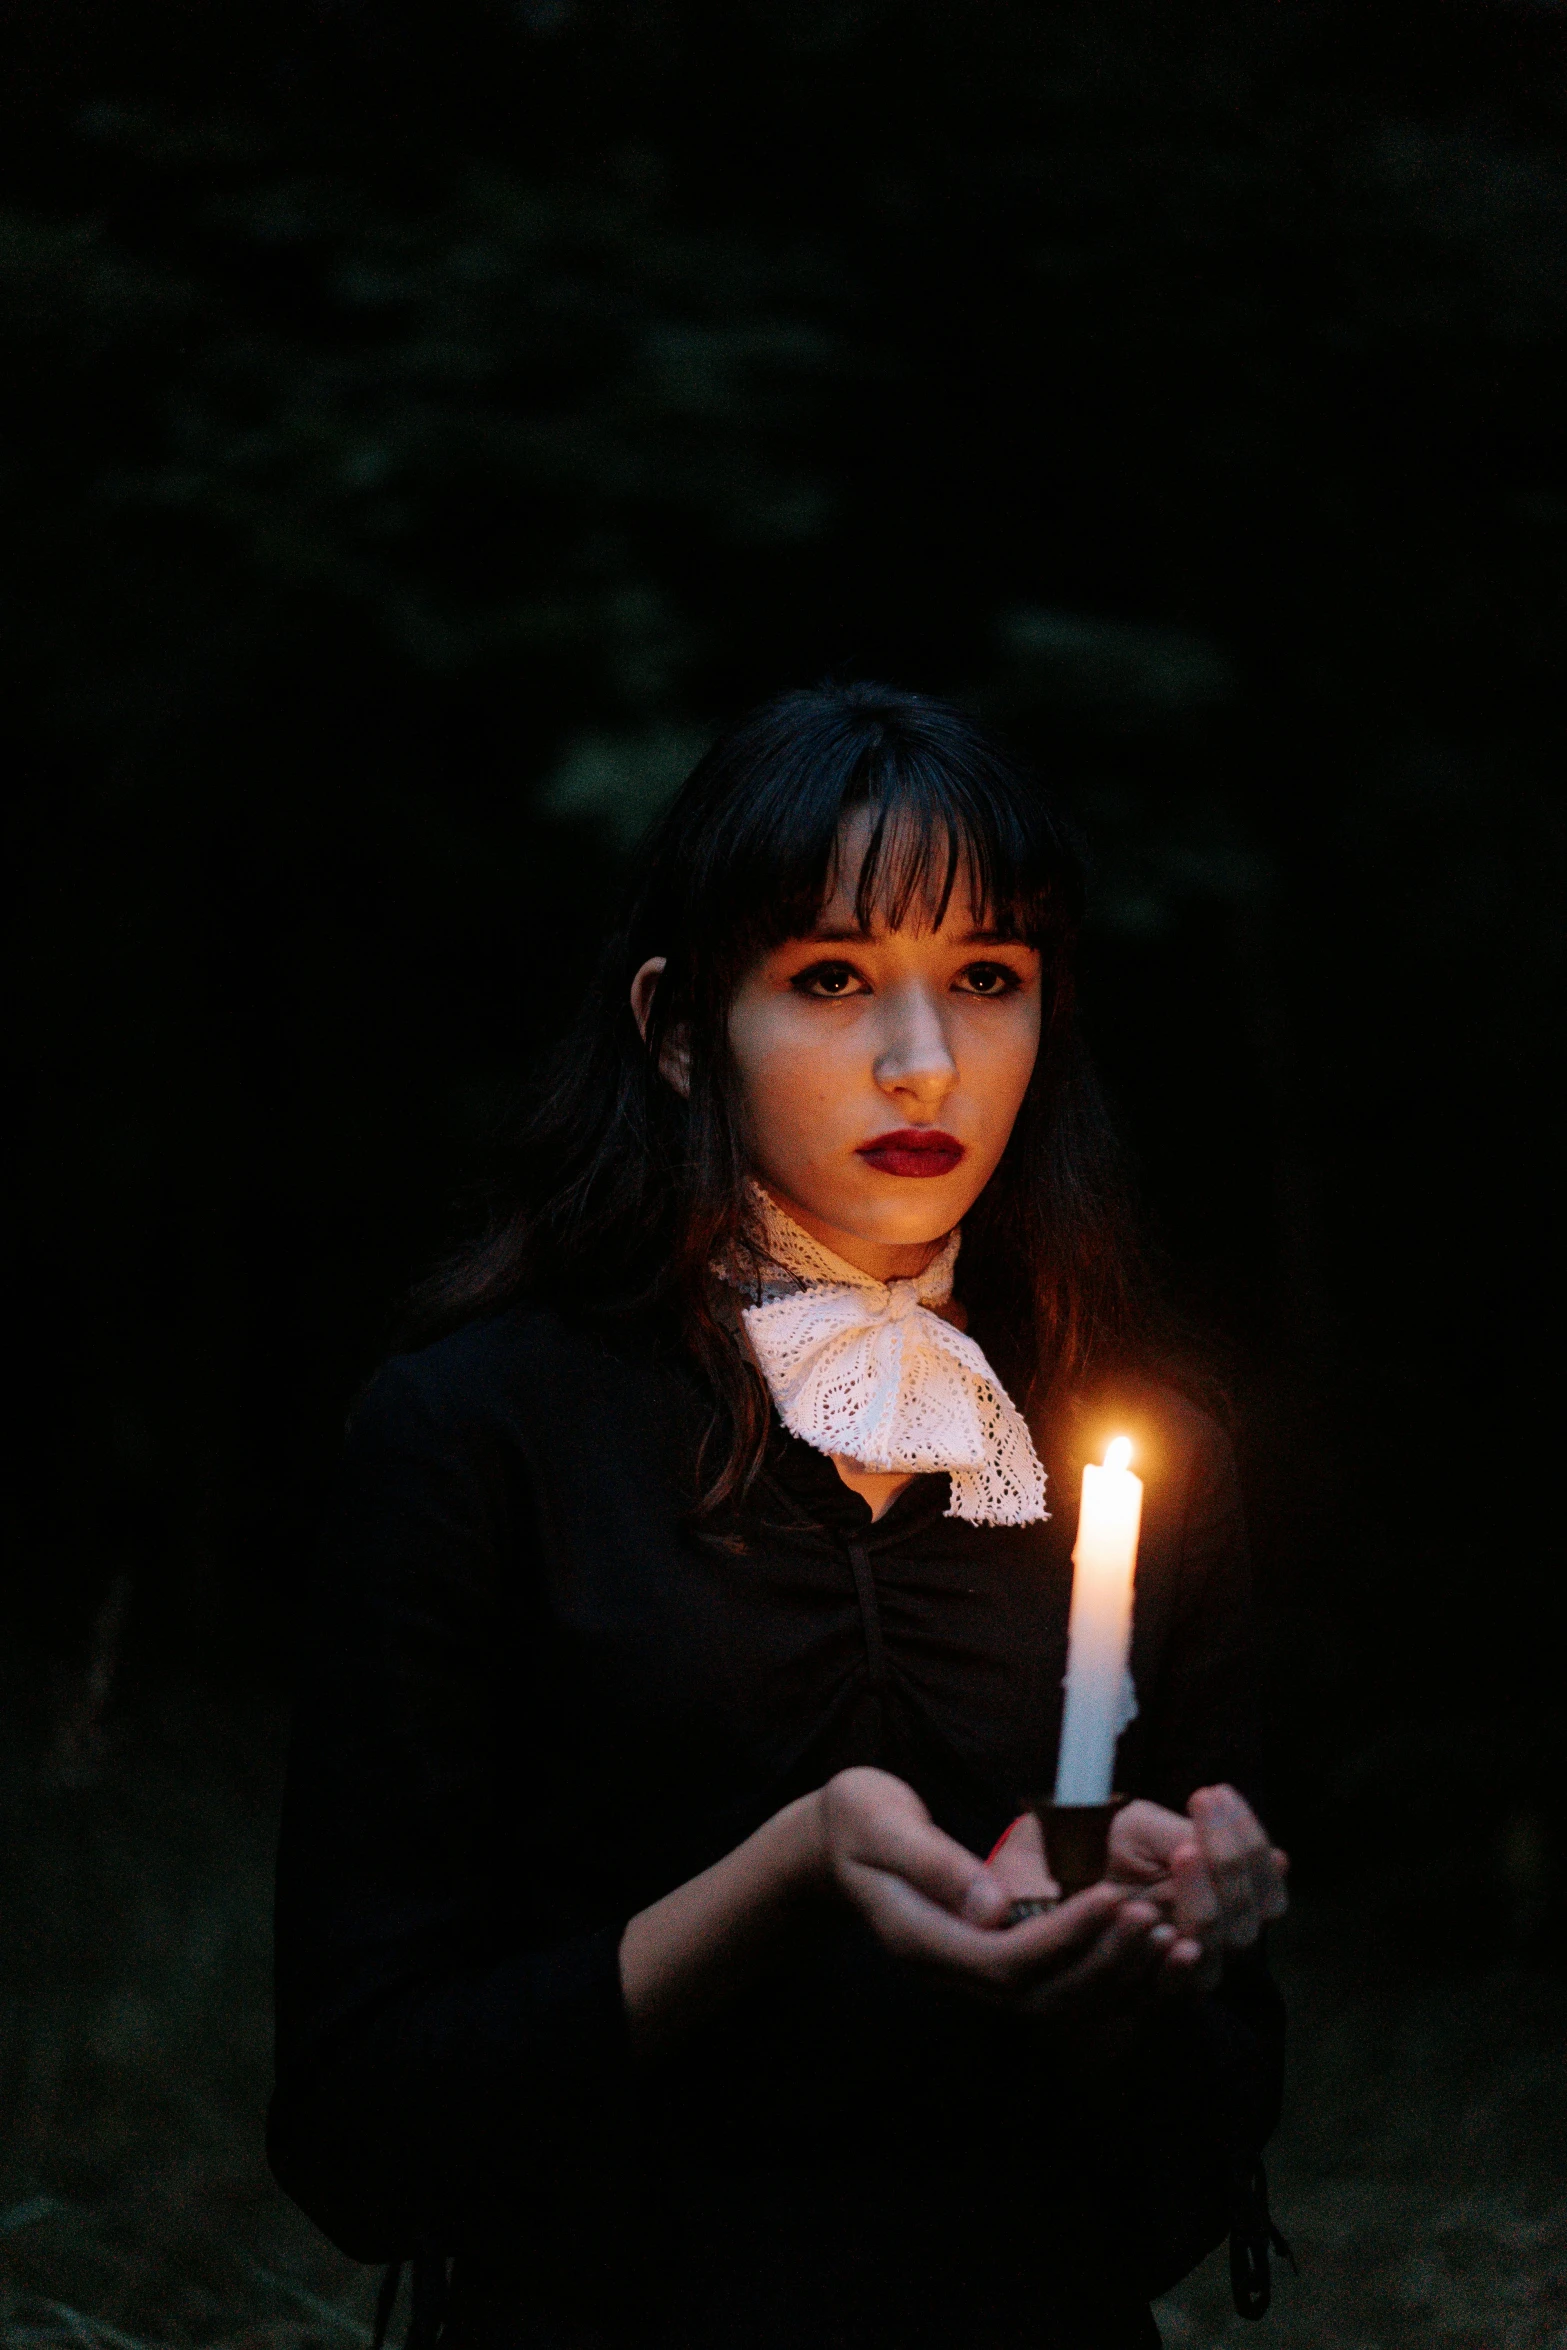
(1194,1903)
(1134,1967)
(925,1933)
(1143,1836)
(1110,1972)
(1044,1947)
(1231,1837)
(1140,1947)
(904,1843)
(1114,1959)
(1136,1973)
(912,1925)
(1243,1843)
(1189,1969)
(1264,1899)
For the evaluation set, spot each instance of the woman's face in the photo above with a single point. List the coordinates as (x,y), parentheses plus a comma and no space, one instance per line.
(883,1069)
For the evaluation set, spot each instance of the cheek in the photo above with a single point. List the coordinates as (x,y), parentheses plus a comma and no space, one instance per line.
(770,1067)
(1003,1063)
(789,1083)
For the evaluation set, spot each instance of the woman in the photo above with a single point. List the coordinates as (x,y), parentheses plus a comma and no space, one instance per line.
(693,1627)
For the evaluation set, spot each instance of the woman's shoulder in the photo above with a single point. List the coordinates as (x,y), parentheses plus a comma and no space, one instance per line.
(526,1361)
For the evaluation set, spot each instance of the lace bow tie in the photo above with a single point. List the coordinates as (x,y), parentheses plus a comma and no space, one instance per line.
(864,1368)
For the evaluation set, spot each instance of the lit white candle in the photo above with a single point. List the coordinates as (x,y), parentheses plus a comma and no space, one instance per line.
(1099,1697)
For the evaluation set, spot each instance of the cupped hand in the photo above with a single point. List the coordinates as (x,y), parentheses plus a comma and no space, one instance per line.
(1213,1873)
(933,1904)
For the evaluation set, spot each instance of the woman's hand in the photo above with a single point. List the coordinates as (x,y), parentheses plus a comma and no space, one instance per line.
(1180,1892)
(1213,1873)
(929,1900)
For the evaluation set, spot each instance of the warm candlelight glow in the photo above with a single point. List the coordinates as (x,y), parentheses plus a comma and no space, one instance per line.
(1118,1453)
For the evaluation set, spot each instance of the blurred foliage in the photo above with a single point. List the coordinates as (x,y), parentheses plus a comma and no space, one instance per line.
(422,430)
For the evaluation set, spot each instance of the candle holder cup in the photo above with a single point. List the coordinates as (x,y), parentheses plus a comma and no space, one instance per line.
(1077,1847)
(1077,1841)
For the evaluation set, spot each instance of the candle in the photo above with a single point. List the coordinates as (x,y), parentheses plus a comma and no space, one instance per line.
(1099,1697)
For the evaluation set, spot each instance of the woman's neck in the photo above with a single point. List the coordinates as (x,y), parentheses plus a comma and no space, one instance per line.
(884,1260)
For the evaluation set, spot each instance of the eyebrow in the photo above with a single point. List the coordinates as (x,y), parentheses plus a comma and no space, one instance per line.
(849,933)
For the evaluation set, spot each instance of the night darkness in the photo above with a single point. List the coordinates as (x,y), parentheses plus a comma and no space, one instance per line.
(422,430)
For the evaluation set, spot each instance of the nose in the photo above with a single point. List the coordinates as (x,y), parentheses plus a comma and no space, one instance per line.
(915,1060)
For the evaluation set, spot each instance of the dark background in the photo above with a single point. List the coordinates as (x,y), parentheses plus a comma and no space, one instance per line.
(423,426)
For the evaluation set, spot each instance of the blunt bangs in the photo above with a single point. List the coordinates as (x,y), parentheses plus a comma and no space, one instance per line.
(752,848)
(927,843)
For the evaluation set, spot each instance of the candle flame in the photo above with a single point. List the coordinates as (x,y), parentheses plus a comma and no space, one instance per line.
(1118,1453)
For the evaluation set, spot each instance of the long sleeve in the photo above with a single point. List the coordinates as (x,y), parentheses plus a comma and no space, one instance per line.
(435,2059)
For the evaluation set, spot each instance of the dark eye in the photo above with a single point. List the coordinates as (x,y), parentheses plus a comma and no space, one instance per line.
(828,979)
(989,979)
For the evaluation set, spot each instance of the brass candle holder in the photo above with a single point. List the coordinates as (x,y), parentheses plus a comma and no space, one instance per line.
(1077,1848)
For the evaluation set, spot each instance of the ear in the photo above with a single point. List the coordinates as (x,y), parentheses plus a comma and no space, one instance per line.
(674,1062)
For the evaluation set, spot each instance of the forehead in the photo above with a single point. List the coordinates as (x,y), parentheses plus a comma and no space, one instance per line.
(890,873)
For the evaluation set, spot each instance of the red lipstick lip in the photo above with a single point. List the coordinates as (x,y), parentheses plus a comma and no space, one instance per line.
(913,1150)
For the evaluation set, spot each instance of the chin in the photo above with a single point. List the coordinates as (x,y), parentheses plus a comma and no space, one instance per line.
(892,1211)
(909,1219)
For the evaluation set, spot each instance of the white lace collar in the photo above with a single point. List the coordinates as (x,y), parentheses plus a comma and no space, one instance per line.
(866,1369)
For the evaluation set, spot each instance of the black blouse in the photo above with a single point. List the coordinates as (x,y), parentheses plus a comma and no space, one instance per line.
(536,1700)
